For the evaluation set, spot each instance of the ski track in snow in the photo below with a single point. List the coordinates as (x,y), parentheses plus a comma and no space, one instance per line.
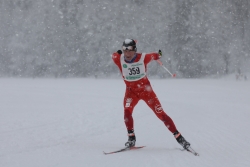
(70,122)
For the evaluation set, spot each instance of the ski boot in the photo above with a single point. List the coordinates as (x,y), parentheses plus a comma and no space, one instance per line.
(131,139)
(181,140)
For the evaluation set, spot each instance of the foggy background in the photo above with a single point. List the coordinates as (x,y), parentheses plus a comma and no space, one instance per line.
(75,38)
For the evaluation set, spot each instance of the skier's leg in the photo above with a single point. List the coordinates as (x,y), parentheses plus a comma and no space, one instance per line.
(129,102)
(153,102)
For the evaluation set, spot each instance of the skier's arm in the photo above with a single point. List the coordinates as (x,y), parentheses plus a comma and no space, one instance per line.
(152,56)
(116,57)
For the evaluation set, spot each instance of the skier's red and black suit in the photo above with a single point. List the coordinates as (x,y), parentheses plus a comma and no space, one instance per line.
(141,90)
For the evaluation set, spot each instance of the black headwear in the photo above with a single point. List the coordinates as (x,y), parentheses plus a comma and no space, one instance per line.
(130,42)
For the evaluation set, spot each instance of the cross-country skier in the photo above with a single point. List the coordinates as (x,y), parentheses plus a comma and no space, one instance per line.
(133,67)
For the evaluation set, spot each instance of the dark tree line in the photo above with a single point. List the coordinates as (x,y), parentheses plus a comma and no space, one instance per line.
(74,38)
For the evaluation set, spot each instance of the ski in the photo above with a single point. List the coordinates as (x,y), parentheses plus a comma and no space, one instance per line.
(124,149)
(190,150)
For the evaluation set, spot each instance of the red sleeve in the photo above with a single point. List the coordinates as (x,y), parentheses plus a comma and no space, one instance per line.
(116,58)
(151,56)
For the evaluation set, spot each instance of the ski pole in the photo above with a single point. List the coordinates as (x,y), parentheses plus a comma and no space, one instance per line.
(173,75)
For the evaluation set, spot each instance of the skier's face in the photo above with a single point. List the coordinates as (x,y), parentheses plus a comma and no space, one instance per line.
(129,54)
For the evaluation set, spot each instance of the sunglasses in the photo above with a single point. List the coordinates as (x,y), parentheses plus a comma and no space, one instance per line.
(130,48)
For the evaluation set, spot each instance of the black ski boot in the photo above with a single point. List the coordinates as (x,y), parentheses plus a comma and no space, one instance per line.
(181,140)
(131,139)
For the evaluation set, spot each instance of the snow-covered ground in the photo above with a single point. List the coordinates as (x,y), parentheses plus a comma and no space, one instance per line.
(70,122)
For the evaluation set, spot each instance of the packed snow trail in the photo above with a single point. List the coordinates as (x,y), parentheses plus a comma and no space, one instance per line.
(69,122)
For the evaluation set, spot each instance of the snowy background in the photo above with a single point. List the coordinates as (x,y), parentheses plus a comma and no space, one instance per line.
(64,122)
(73,38)
(61,94)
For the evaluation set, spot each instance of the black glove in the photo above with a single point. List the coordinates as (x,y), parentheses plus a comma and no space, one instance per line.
(160,53)
(119,51)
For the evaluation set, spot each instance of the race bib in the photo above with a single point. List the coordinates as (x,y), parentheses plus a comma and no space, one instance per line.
(133,71)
